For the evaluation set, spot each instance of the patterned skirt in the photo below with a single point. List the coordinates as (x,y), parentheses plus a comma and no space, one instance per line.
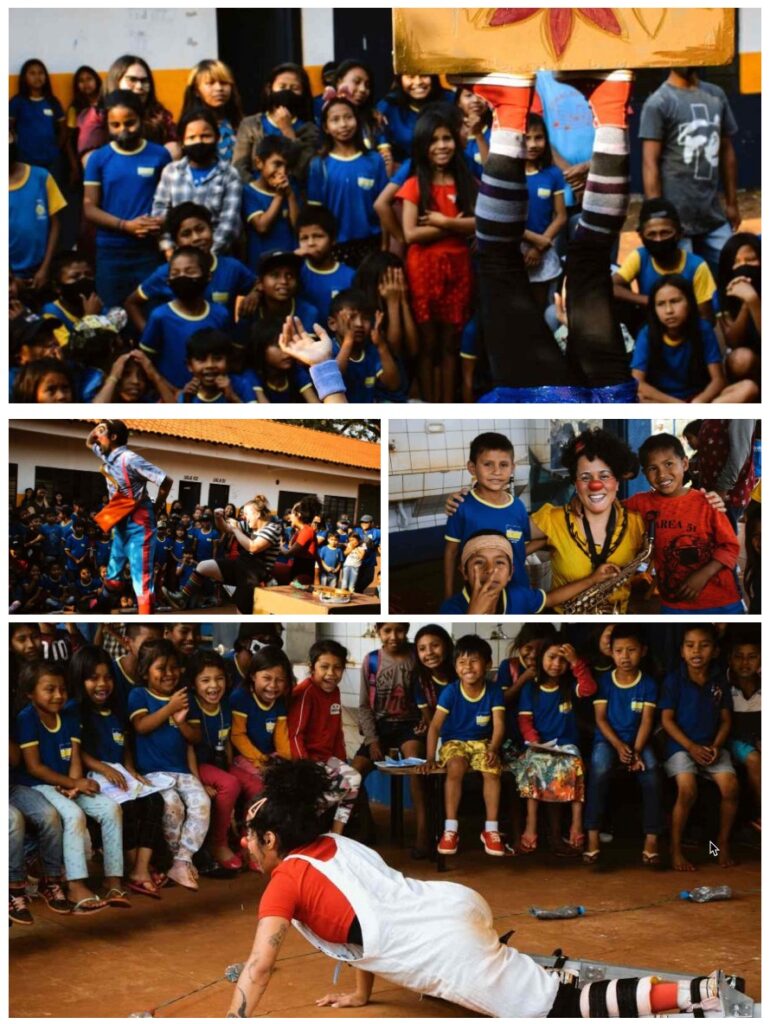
(553,778)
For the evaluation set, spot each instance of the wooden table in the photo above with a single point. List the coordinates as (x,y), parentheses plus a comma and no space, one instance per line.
(434,806)
(289,600)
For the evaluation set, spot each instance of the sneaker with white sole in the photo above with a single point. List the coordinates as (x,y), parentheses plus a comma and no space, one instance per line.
(493,844)
(448,844)
(18,907)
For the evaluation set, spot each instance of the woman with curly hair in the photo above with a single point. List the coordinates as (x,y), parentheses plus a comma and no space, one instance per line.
(602,530)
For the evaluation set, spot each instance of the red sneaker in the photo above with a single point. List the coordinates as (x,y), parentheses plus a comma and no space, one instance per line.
(448,844)
(510,96)
(493,844)
(608,93)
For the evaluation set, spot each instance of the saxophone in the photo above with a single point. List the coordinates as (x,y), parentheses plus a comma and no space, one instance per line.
(597,599)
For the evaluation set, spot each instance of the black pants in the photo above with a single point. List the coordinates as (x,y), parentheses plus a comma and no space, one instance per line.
(142,822)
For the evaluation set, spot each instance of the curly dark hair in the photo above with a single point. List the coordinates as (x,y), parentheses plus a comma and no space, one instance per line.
(598,443)
(295,806)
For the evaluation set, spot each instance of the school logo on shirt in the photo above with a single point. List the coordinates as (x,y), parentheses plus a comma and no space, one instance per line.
(335,709)
(637,706)
(145,172)
(40,210)
(47,111)
(65,752)
(365,183)
(482,719)
(118,737)
(566,707)
(544,193)
(223,734)
(512,533)
(270,727)
(222,297)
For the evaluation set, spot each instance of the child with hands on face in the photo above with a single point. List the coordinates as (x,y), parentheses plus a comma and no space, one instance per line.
(269,204)
(48,732)
(470,719)
(159,711)
(104,751)
(315,726)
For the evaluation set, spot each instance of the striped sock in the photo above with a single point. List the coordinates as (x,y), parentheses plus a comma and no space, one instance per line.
(194,585)
(502,202)
(606,198)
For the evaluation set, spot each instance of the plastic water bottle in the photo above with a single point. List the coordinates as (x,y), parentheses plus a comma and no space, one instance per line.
(560,913)
(707,893)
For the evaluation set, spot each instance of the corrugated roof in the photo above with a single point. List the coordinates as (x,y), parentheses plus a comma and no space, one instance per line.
(260,435)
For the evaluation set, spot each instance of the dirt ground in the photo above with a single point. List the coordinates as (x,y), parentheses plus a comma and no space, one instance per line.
(170,956)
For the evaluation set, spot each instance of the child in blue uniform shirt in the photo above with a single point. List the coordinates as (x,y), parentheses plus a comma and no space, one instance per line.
(279,284)
(470,719)
(52,536)
(269,205)
(37,118)
(209,355)
(625,711)
(347,179)
(489,506)
(191,224)
(696,713)
(34,204)
(119,185)
(331,555)
(402,106)
(76,549)
(170,326)
(322,275)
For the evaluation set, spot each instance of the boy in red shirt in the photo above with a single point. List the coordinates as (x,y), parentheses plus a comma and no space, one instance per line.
(315,725)
(695,550)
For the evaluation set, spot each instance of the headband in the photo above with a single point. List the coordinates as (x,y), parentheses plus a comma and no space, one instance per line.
(330,94)
(487,540)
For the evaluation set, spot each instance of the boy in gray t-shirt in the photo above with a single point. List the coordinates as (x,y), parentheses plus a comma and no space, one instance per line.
(686,127)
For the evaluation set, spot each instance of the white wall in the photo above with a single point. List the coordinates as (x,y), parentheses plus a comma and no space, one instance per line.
(66,37)
(317,35)
(749,29)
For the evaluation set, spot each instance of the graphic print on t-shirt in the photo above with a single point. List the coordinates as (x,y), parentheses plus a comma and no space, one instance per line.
(685,552)
(700,141)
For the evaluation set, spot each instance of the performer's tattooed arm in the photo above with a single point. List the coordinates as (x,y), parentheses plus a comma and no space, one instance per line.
(257,970)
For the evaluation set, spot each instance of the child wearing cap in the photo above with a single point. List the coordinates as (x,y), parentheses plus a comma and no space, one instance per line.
(486,562)
(660,253)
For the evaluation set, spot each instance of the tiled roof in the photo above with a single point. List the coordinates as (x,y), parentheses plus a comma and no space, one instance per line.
(268,436)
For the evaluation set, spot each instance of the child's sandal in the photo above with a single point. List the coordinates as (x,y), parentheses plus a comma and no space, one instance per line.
(527,844)
(591,856)
(577,840)
(89,905)
(117,898)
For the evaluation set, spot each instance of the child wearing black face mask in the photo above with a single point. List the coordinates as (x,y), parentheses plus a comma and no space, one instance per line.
(739,303)
(119,183)
(201,177)
(169,326)
(75,284)
(661,232)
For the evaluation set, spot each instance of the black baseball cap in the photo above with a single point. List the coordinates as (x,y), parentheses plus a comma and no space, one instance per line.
(279,258)
(654,209)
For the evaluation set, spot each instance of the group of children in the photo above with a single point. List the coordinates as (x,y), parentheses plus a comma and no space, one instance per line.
(58,556)
(162,743)
(695,547)
(200,238)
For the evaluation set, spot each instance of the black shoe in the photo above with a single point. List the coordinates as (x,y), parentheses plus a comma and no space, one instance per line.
(175,598)
(54,896)
(18,909)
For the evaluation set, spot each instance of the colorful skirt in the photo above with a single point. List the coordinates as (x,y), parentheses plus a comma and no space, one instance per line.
(553,778)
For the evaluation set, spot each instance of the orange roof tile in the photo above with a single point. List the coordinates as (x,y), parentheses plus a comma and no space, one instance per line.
(261,435)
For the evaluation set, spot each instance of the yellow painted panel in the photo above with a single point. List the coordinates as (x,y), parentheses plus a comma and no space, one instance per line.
(510,39)
(750,65)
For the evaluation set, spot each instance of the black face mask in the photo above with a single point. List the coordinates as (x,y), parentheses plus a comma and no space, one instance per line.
(76,290)
(201,152)
(128,140)
(754,274)
(187,288)
(662,249)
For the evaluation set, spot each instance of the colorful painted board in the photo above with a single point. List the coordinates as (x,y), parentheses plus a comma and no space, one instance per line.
(482,39)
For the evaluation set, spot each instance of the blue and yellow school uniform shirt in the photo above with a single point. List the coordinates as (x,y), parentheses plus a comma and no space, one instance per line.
(36,121)
(260,718)
(553,715)
(162,548)
(31,204)
(465,717)
(674,375)
(124,684)
(204,543)
(290,390)
(542,186)
(508,672)
(216,729)
(167,332)
(229,279)
(361,373)
(419,692)
(107,737)
(473,154)
(77,547)
(697,709)
(52,539)
(511,519)
(57,310)
(348,186)
(320,286)
(243,329)
(269,127)
(236,678)
(624,703)
(127,183)
(165,748)
(516,599)
(639,266)
(254,203)
(401,120)
(54,745)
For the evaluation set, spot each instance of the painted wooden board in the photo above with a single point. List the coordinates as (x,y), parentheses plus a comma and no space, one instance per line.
(483,39)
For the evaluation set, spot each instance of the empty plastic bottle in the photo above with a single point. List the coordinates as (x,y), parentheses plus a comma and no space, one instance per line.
(543,914)
(707,893)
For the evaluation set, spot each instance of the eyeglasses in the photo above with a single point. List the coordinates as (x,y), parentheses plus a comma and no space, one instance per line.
(587,478)
(133,80)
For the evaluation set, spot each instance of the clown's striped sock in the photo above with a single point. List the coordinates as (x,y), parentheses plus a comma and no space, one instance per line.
(606,198)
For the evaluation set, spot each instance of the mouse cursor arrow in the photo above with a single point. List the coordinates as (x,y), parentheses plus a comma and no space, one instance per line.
(713,849)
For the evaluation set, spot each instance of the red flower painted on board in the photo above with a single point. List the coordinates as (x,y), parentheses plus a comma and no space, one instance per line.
(559,21)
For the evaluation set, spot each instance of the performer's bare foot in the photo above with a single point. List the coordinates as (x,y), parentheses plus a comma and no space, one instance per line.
(681,863)
(725,858)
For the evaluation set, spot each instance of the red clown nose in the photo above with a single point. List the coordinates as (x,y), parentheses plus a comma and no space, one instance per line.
(596,485)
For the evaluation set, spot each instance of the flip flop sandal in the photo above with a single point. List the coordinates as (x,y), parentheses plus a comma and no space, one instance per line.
(117,898)
(591,856)
(577,840)
(145,889)
(89,905)
(651,860)
(527,845)
(159,879)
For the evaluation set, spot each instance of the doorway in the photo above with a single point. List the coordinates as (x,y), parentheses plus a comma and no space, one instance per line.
(189,495)
(219,495)
(253,40)
(366,33)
